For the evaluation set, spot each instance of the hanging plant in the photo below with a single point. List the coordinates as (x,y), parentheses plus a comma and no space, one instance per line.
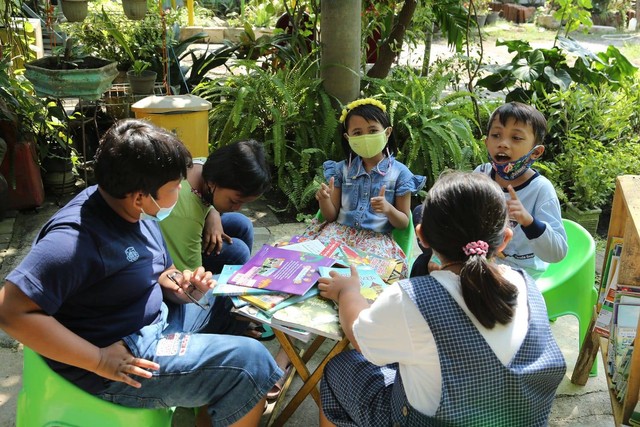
(135,9)
(75,10)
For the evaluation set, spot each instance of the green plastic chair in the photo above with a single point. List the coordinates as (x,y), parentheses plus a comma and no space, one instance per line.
(47,399)
(404,238)
(568,286)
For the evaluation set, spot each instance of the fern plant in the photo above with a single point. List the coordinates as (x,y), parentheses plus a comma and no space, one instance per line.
(289,111)
(432,129)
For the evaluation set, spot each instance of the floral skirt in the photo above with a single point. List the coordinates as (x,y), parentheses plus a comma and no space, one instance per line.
(380,244)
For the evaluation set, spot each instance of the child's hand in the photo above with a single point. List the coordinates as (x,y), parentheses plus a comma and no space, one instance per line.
(517,212)
(325,190)
(118,364)
(332,287)
(379,203)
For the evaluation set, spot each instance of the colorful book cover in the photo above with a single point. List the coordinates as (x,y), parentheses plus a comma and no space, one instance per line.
(389,269)
(316,315)
(281,270)
(293,299)
(310,246)
(265,302)
(224,288)
(371,284)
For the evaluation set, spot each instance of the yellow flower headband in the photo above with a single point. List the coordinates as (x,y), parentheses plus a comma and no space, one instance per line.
(358,102)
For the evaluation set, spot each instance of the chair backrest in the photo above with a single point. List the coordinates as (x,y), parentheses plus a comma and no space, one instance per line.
(47,399)
(581,250)
(404,237)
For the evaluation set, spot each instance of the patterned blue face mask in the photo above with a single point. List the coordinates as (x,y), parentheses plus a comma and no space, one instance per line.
(513,170)
(162,212)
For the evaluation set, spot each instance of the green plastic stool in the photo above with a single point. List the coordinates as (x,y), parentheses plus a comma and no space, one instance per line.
(47,399)
(568,286)
(404,238)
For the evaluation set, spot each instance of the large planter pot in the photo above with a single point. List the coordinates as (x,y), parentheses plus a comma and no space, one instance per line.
(492,18)
(89,81)
(142,83)
(75,10)
(586,218)
(135,9)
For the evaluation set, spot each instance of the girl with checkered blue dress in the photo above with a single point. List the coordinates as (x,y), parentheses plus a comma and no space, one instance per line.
(468,345)
(368,195)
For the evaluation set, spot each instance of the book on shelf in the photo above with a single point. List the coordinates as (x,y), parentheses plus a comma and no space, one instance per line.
(609,275)
(281,270)
(259,316)
(316,315)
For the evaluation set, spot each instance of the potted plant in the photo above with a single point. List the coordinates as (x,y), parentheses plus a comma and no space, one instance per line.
(71,74)
(75,10)
(135,9)
(141,80)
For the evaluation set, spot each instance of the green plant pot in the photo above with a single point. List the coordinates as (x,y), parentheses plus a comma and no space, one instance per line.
(587,218)
(88,82)
(143,83)
(75,10)
(135,9)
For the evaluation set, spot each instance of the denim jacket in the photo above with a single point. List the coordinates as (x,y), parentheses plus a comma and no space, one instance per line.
(358,187)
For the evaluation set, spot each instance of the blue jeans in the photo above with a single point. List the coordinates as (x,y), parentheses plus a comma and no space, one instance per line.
(240,228)
(200,364)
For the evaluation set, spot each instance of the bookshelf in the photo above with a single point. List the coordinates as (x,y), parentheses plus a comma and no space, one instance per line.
(625,222)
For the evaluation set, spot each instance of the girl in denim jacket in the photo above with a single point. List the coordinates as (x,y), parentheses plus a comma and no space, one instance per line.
(367,195)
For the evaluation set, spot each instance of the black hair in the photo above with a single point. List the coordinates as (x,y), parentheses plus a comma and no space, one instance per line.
(464,207)
(135,155)
(522,113)
(370,113)
(240,166)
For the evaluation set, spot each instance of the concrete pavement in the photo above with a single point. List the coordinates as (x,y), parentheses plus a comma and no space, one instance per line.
(574,405)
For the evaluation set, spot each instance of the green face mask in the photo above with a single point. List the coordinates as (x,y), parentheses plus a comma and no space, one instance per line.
(368,146)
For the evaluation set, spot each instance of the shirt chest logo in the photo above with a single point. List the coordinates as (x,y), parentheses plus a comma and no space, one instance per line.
(132,254)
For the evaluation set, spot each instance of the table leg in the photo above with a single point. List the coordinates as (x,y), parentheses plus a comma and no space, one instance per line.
(309,381)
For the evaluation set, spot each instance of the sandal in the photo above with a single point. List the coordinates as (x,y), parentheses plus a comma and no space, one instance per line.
(259,332)
(275,391)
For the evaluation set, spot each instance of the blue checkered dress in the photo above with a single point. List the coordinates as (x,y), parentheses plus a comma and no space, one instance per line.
(477,389)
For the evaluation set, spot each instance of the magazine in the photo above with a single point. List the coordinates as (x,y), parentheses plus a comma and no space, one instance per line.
(278,269)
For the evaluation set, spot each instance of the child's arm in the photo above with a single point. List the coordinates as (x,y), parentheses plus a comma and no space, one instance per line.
(543,228)
(399,214)
(345,291)
(329,199)
(25,321)
(213,233)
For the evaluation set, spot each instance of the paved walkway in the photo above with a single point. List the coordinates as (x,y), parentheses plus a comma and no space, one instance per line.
(574,406)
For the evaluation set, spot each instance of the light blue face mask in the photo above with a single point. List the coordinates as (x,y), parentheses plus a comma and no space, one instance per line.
(162,212)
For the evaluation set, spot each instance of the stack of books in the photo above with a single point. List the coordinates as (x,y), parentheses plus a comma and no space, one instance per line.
(617,320)
(278,285)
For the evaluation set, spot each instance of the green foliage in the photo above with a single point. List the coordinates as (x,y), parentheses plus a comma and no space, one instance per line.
(573,13)
(594,136)
(289,111)
(433,131)
(533,73)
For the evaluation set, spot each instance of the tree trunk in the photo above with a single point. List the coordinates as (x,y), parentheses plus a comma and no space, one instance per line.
(340,41)
(426,58)
(391,48)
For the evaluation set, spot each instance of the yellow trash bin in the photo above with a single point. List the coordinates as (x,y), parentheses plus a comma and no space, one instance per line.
(187,116)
